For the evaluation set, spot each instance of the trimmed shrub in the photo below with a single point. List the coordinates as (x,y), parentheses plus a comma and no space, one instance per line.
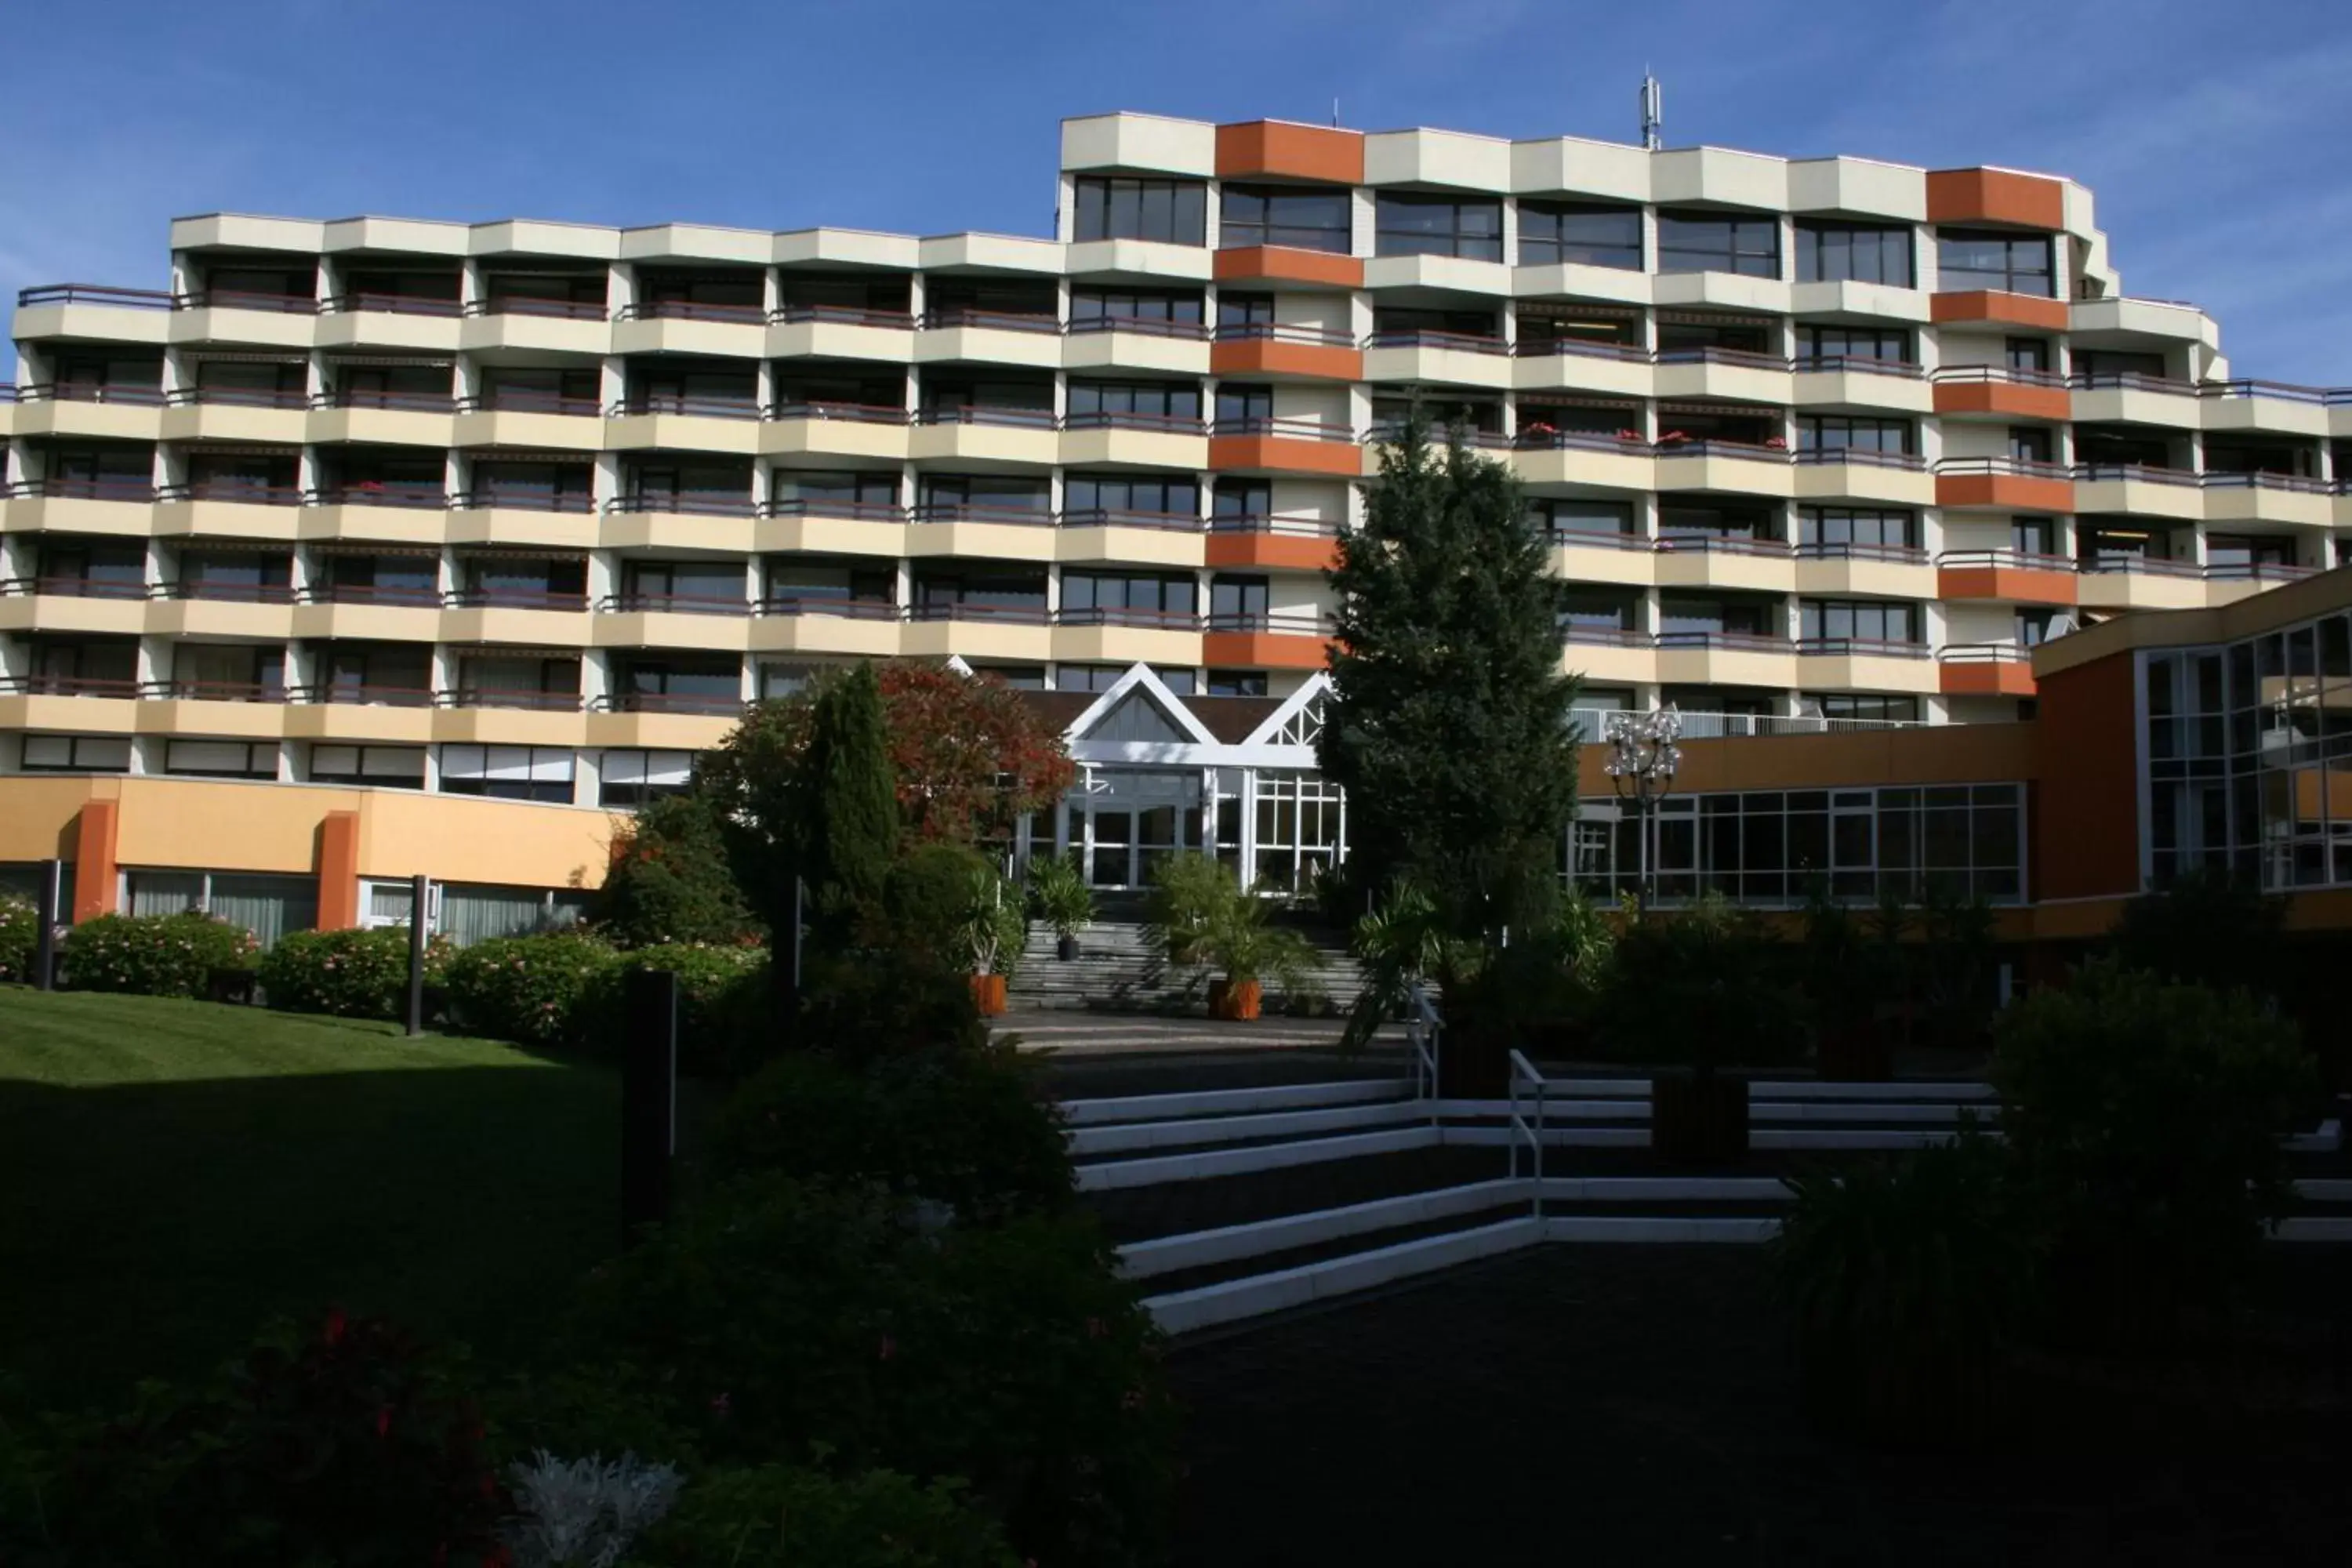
(780,1320)
(670,880)
(965,1126)
(20,933)
(2147,1119)
(155,955)
(534,990)
(722,1004)
(779,1517)
(348,973)
(883,1002)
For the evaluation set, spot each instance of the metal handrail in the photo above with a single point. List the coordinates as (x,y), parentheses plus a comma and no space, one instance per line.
(93,294)
(1729,642)
(1427,338)
(515,599)
(842,315)
(2022,560)
(1135,419)
(2026,468)
(526,305)
(2007,374)
(87,392)
(982,413)
(1425,1032)
(235,397)
(1983,653)
(232,491)
(2141,473)
(2260,479)
(692,311)
(1539,436)
(521,400)
(636,600)
(1868,647)
(1524,1130)
(1745,359)
(823,604)
(1000,320)
(1276,623)
(865,510)
(393,304)
(398,402)
(643,403)
(1142,326)
(1728,543)
(684,503)
(133,490)
(212,691)
(1859,549)
(854,413)
(1277,522)
(1868,456)
(1123,517)
(1284,332)
(1282,427)
(1130,616)
(515,498)
(2106,561)
(525,698)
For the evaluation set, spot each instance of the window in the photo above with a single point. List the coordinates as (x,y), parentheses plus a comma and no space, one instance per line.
(1110,402)
(1719,242)
(1829,530)
(1237,683)
(678,684)
(525,680)
(1093,305)
(1239,602)
(2034,535)
(472,914)
(269,907)
(685,485)
(1840,432)
(386,767)
(1147,494)
(1591,236)
(1173,212)
(1237,403)
(508,773)
(2029,443)
(1856,253)
(630,779)
(2095,364)
(1865,707)
(801,490)
(230,672)
(1300,821)
(1407,225)
(1593,610)
(221,759)
(2027,353)
(249,575)
(945,496)
(76,754)
(1890,344)
(1549,326)
(2009,263)
(1238,499)
(1576,515)
(2035,627)
(1302,220)
(709,587)
(1859,620)
(1244,309)
(1121,597)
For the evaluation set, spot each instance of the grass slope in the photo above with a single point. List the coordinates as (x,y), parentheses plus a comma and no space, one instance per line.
(176,1172)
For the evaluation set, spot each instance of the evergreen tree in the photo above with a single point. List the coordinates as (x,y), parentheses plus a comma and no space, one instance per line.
(1449,720)
(849,804)
(670,880)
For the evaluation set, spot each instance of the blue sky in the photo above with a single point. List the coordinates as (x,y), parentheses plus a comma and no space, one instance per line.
(2212,133)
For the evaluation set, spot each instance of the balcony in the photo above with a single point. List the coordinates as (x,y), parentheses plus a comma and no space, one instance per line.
(2141,489)
(270,692)
(510,698)
(1985,669)
(1862,474)
(1732,375)
(2257,497)
(2133,397)
(2122,580)
(1425,356)
(1273,543)
(513,598)
(524,497)
(374,320)
(1283,264)
(201,592)
(61,587)
(731,331)
(2006,577)
(1260,640)
(74,605)
(1582,364)
(86,409)
(1722,658)
(1714,464)
(830,604)
(1284,444)
(712,704)
(1999,392)
(639,602)
(1876,571)
(393,419)
(1281,351)
(1547,457)
(95,312)
(2004,484)
(1990,307)
(69,686)
(398,494)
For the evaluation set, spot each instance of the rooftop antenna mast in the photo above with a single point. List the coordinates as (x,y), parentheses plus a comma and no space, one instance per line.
(1654,112)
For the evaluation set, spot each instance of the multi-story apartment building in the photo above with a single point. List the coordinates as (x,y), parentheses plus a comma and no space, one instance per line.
(527,510)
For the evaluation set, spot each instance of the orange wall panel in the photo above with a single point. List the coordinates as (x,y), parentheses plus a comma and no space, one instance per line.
(1274,454)
(1989,305)
(1261,650)
(1278,552)
(2086,823)
(1256,148)
(1281,264)
(2009,493)
(2006,399)
(1990,677)
(339,871)
(1995,195)
(2007,585)
(94,861)
(1263,356)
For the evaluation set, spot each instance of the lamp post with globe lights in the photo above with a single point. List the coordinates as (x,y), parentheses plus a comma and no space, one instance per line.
(1644,751)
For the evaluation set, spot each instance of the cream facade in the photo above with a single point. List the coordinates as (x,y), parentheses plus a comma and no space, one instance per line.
(528,510)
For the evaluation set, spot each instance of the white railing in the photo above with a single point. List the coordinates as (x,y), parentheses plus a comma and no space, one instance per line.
(1526,1127)
(1423,1032)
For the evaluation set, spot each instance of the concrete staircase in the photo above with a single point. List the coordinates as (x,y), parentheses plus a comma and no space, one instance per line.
(1118,970)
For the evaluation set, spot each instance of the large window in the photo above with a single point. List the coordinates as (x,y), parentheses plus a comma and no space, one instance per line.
(1410,225)
(1575,515)
(1174,211)
(1301,824)
(1840,432)
(76,754)
(221,759)
(630,779)
(1112,402)
(1892,344)
(1303,220)
(1826,529)
(1092,307)
(384,767)
(1835,621)
(2009,263)
(1853,253)
(508,773)
(1554,232)
(1155,494)
(1120,598)
(1776,847)
(1719,242)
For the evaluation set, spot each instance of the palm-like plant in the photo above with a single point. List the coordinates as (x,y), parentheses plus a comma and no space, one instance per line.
(1058,895)
(994,927)
(1185,891)
(1240,939)
(1402,942)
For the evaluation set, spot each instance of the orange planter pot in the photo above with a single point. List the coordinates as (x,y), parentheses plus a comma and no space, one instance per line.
(1236,1000)
(988,994)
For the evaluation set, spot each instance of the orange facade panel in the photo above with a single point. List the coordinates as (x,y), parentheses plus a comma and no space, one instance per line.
(2005,492)
(2007,585)
(1275,551)
(1261,650)
(1282,264)
(1269,356)
(95,837)
(1275,149)
(2004,399)
(1283,455)
(339,871)
(2086,817)
(1933,754)
(1985,677)
(1995,195)
(1991,305)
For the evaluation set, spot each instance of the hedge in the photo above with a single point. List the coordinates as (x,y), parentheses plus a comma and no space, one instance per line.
(348,973)
(155,955)
(532,990)
(20,930)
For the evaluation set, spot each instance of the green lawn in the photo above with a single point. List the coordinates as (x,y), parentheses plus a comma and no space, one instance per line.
(174,1174)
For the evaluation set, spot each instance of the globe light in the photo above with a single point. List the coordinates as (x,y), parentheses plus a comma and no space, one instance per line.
(1645,754)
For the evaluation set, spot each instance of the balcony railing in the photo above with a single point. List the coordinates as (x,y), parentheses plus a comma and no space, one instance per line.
(995,321)
(839,605)
(2018,467)
(1594,539)
(1697,543)
(980,511)
(638,600)
(215,692)
(852,412)
(526,698)
(1142,326)
(45,684)
(2297,484)
(389,304)
(844,315)
(2130,380)
(519,497)
(1596,636)
(1417,338)
(2108,561)
(979,414)
(2256,571)
(1863,457)
(1485,440)
(2135,473)
(2009,559)
(395,595)
(227,593)
(362,694)
(516,599)
(134,490)
(87,392)
(1542,437)
(414,495)
(2327,396)
(238,492)
(1984,653)
(1277,523)
(522,305)
(1747,726)
(666,702)
(1284,332)
(398,402)
(967,610)
(692,311)
(860,510)
(74,587)
(1727,642)
(1861,647)
(1130,616)
(1283,428)
(1586,348)
(94,294)
(1279,623)
(707,504)
(247,300)
(236,397)
(1772,450)
(517,400)
(1742,359)
(643,403)
(1862,550)
(1122,517)
(1856,364)
(1132,419)
(1999,375)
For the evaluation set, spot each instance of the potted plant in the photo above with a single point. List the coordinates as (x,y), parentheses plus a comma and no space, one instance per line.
(1185,890)
(1202,913)
(992,929)
(1058,895)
